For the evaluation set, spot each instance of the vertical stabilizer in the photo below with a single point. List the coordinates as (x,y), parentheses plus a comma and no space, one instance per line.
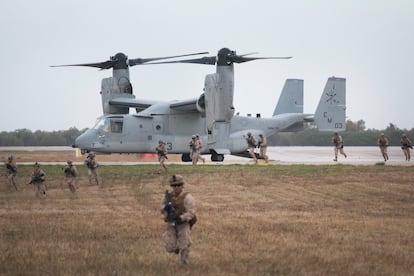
(291,98)
(330,113)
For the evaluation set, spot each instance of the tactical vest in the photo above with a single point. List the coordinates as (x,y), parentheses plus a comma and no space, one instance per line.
(178,203)
(382,142)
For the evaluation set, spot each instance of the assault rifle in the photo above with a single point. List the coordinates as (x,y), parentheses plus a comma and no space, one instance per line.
(37,178)
(68,170)
(11,168)
(169,208)
(161,153)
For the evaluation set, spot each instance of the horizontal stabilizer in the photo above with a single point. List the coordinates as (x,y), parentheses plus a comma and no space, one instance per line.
(330,113)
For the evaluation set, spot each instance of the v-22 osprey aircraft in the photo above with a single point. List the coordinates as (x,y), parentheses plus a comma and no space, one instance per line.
(211,115)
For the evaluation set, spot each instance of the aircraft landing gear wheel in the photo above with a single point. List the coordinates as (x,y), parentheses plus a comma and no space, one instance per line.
(217,157)
(185,157)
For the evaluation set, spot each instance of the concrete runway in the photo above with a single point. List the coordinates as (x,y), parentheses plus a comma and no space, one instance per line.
(279,156)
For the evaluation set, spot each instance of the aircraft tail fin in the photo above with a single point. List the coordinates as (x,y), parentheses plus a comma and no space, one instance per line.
(291,98)
(330,113)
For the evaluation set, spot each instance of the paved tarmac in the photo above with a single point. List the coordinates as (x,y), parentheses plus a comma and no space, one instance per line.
(280,156)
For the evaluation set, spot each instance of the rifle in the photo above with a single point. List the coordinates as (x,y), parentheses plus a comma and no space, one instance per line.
(172,216)
(36,178)
(169,208)
(161,153)
(11,168)
(69,171)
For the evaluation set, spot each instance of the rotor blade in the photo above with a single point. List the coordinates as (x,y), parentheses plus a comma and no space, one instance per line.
(248,54)
(103,65)
(138,61)
(204,60)
(240,59)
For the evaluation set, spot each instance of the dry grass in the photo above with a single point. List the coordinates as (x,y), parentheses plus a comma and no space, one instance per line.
(266,220)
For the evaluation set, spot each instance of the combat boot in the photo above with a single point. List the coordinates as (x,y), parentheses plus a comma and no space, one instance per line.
(184,256)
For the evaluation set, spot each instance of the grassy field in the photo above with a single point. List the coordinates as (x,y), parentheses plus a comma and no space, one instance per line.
(253,220)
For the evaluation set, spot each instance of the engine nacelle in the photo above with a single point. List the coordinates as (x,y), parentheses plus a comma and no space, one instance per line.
(201,104)
(115,89)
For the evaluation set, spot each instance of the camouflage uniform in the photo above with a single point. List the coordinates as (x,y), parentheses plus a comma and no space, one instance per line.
(406,146)
(92,165)
(251,144)
(38,181)
(161,151)
(11,170)
(199,146)
(338,145)
(263,147)
(70,174)
(382,142)
(177,235)
(193,149)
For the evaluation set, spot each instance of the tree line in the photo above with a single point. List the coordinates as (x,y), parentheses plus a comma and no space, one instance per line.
(356,134)
(25,137)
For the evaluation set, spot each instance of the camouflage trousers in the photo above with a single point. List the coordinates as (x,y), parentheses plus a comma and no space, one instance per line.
(70,180)
(407,153)
(93,176)
(40,189)
(11,180)
(194,156)
(178,240)
(263,154)
(384,153)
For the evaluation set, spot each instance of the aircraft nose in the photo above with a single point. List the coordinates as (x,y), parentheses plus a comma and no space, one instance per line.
(85,140)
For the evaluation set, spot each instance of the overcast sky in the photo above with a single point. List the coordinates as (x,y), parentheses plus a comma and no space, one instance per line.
(370,43)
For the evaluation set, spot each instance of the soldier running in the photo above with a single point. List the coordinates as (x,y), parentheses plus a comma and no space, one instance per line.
(262,144)
(179,210)
(199,146)
(161,151)
(251,144)
(92,165)
(193,149)
(70,174)
(382,142)
(11,171)
(338,145)
(406,146)
(38,181)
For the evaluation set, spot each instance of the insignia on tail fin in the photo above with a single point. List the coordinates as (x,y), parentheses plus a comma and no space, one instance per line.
(330,113)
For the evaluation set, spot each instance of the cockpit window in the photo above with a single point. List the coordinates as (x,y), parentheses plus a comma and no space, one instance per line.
(113,125)
(102,125)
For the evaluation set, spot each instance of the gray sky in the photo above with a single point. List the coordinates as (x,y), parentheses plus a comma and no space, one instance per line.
(370,43)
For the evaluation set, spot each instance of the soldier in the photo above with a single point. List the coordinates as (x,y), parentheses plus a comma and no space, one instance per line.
(382,142)
(193,149)
(161,151)
(11,170)
(199,146)
(70,173)
(262,144)
(251,144)
(406,146)
(179,210)
(92,165)
(338,145)
(38,179)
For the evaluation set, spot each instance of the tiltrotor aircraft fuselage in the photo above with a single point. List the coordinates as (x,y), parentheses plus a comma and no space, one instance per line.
(211,115)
